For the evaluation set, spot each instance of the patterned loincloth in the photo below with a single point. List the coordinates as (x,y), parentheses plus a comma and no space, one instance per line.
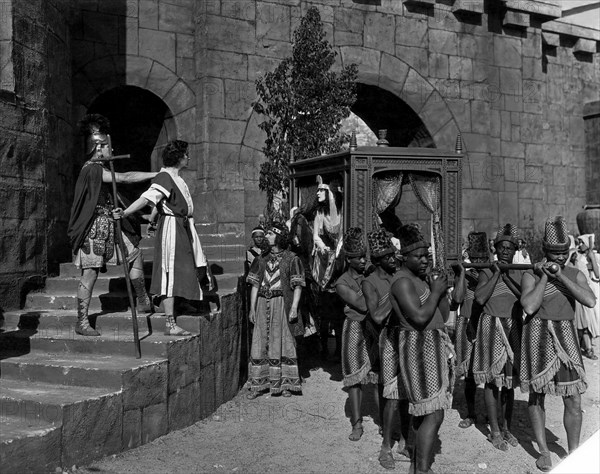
(464,348)
(551,359)
(393,388)
(426,370)
(360,354)
(497,351)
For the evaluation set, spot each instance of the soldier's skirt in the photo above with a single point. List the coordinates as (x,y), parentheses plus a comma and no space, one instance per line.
(360,354)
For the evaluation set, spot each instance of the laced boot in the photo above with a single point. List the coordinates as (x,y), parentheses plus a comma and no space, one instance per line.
(82,327)
(144,304)
(171,329)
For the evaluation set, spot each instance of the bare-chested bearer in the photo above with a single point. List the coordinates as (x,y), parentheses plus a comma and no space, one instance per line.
(424,347)
(551,358)
(360,345)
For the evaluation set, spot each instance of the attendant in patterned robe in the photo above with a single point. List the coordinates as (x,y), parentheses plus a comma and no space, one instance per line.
(425,351)
(92,232)
(277,279)
(466,323)
(498,341)
(360,357)
(178,255)
(551,359)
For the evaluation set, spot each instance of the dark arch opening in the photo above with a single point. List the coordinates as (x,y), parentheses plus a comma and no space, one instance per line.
(381,109)
(136,119)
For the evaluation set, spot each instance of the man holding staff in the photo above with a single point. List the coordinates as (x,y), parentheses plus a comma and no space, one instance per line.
(91,228)
(551,359)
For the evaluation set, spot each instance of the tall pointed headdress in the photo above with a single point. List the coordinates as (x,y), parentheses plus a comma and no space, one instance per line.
(556,237)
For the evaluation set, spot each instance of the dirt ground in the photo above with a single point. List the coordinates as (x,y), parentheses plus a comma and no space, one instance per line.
(309,433)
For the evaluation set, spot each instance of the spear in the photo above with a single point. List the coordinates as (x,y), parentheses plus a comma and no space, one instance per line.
(110,159)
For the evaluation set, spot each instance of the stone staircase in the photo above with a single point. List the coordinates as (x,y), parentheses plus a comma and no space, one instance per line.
(67,400)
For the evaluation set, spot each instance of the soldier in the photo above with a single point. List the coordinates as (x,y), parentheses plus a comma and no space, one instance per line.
(91,228)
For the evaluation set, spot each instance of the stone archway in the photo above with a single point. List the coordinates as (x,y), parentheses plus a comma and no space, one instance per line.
(111,72)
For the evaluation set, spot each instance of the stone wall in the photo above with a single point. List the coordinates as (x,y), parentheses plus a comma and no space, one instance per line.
(591,115)
(35,127)
(509,77)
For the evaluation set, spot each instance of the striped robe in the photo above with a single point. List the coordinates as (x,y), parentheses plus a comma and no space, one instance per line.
(177,251)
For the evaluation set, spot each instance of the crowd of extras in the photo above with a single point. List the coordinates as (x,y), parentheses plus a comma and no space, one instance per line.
(407,329)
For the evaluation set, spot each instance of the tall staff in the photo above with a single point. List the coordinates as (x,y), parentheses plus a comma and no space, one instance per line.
(119,237)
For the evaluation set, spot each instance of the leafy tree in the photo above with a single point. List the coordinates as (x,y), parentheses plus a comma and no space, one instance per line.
(303,103)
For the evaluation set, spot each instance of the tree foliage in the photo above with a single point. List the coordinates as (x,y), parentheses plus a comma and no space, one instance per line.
(303,103)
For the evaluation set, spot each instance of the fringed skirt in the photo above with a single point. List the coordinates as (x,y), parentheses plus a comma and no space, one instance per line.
(464,348)
(393,388)
(273,361)
(497,351)
(360,354)
(426,370)
(551,359)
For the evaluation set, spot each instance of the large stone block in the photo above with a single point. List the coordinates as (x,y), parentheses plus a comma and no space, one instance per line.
(240,9)
(513,149)
(443,42)
(348,20)
(507,51)
(180,97)
(514,169)
(411,31)
(184,363)
(367,59)
(379,31)
(228,65)
(414,57)
(91,429)
(100,27)
(272,21)
(239,96)
(436,112)
(132,429)
(226,130)
(392,72)
(145,386)
(250,160)
(228,34)
(184,406)
(158,45)
(148,14)
(445,138)
(461,110)
(176,18)
(155,422)
(438,65)
(531,191)
(479,204)
(508,206)
(207,391)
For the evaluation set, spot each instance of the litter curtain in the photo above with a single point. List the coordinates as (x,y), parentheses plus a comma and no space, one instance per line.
(387,192)
(427,188)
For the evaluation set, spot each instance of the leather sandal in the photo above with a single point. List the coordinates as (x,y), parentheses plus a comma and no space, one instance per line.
(251,395)
(176,331)
(466,422)
(386,459)
(544,462)
(510,438)
(286,394)
(498,441)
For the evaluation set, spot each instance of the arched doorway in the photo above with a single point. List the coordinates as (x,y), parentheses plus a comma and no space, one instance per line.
(139,121)
(380,109)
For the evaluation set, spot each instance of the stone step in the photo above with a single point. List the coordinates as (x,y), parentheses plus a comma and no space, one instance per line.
(114,301)
(221,265)
(50,321)
(117,341)
(90,417)
(19,436)
(85,370)
(104,284)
